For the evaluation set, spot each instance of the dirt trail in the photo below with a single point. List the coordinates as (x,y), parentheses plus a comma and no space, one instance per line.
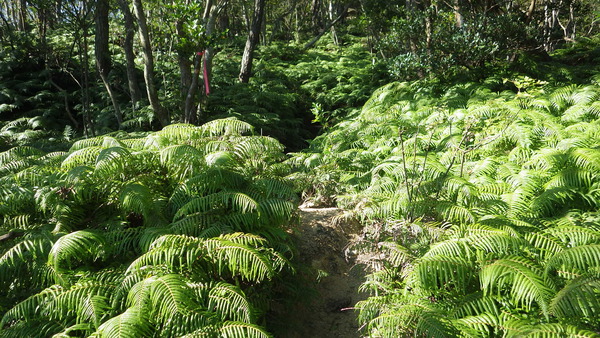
(321,242)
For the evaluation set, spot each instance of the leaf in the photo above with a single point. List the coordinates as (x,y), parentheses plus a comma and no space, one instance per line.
(444,272)
(581,257)
(233,329)
(579,299)
(524,279)
(78,246)
(131,323)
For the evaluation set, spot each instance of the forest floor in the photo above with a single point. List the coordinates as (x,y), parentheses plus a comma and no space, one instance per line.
(331,279)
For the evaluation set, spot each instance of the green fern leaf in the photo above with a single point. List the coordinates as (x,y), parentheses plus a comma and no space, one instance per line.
(443,272)
(522,276)
(131,323)
(242,330)
(76,247)
(579,299)
(581,258)
(230,302)
(226,127)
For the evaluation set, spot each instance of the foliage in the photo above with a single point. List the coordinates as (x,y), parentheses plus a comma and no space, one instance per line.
(482,206)
(175,233)
(291,89)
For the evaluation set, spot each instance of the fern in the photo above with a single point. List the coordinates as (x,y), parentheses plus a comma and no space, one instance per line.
(76,246)
(131,323)
(524,279)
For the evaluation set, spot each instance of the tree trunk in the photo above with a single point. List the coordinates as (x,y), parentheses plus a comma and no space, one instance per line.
(134,89)
(185,69)
(103,62)
(252,41)
(89,128)
(458,17)
(530,11)
(333,32)
(211,12)
(23,24)
(550,23)
(158,109)
(331,24)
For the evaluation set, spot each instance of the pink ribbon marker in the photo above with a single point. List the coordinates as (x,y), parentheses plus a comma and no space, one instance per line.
(206,79)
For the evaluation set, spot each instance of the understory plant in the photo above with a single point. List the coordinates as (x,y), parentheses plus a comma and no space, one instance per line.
(481,207)
(177,233)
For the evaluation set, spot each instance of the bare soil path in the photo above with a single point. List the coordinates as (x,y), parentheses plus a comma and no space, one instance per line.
(321,242)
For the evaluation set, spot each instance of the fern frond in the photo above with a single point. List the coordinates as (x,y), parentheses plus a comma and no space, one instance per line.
(484,324)
(179,169)
(169,296)
(230,302)
(31,307)
(275,211)
(522,276)
(83,157)
(250,146)
(177,133)
(77,300)
(18,153)
(32,328)
(443,272)
(139,199)
(238,202)
(454,212)
(579,299)
(94,309)
(226,127)
(131,323)
(111,162)
(87,143)
(499,243)
(581,258)
(75,247)
(242,330)
(454,247)
(248,262)
(546,244)
(552,330)
(573,235)
(476,303)
(396,254)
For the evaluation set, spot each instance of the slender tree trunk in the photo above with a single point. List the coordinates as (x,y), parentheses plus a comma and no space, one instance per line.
(23,23)
(458,17)
(331,24)
(551,12)
(530,11)
(209,17)
(252,41)
(134,89)
(103,62)
(316,18)
(246,15)
(333,32)
(158,109)
(185,69)
(89,122)
(190,108)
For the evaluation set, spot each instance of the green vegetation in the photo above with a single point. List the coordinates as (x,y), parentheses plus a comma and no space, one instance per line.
(482,205)
(153,154)
(175,233)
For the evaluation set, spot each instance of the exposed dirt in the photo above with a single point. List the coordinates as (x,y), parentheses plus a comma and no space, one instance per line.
(321,240)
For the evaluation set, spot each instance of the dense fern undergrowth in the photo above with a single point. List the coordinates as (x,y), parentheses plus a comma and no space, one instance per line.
(480,207)
(479,203)
(177,233)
